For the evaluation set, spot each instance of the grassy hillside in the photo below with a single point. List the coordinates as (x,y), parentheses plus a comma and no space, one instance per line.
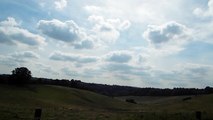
(57,102)
(62,103)
(174,103)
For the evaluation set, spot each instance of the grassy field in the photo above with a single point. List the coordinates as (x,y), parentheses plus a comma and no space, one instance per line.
(174,103)
(62,103)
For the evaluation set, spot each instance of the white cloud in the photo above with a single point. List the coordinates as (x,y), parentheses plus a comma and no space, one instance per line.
(146,11)
(195,75)
(122,71)
(59,56)
(92,9)
(18,58)
(198,12)
(60,4)
(125,65)
(119,57)
(167,38)
(68,32)
(86,44)
(124,25)
(25,54)
(203,30)
(178,75)
(204,12)
(45,68)
(69,72)
(108,30)
(210,5)
(9,22)
(169,32)
(193,70)
(104,31)
(11,33)
(118,67)
(8,61)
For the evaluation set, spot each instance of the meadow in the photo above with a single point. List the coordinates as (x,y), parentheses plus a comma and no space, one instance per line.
(63,103)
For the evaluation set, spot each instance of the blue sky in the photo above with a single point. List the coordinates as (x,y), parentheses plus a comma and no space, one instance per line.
(126,42)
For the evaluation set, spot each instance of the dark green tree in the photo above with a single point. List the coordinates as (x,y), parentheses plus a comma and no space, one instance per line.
(21,75)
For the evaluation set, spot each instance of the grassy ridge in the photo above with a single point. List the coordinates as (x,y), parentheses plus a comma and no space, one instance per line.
(47,95)
(174,103)
(62,103)
(20,102)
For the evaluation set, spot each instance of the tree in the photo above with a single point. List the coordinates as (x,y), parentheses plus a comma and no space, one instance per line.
(21,75)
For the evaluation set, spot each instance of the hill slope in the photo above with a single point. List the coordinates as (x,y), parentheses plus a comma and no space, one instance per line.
(62,103)
(20,102)
(174,103)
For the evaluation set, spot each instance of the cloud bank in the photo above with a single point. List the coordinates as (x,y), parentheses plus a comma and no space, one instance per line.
(119,57)
(11,33)
(59,56)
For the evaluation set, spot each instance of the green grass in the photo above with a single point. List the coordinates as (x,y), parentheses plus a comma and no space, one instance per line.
(174,103)
(56,102)
(62,103)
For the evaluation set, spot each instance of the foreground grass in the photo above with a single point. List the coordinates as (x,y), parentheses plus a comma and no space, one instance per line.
(61,103)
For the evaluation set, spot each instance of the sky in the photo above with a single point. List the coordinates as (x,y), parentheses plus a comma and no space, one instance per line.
(142,43)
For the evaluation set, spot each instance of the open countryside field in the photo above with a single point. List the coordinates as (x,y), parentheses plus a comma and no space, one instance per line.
(62,103)
(174,103)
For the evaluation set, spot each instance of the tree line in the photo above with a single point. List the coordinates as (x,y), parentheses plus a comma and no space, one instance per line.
(22,76)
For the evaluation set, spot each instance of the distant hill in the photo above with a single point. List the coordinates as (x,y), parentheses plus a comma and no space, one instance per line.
(115,90)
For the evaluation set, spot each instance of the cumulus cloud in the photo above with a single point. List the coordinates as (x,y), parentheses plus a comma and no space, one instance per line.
(204,12)
(118,57)
(60,4)
(9,22)
(11,33)
(68,32)
(171,32)
(108,30)
(17,58)
(22,57)
(86,44)
(59,56)
(119,64)
(103,32)
(198,12)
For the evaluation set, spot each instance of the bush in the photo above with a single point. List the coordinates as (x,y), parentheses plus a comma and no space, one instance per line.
(131,101)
